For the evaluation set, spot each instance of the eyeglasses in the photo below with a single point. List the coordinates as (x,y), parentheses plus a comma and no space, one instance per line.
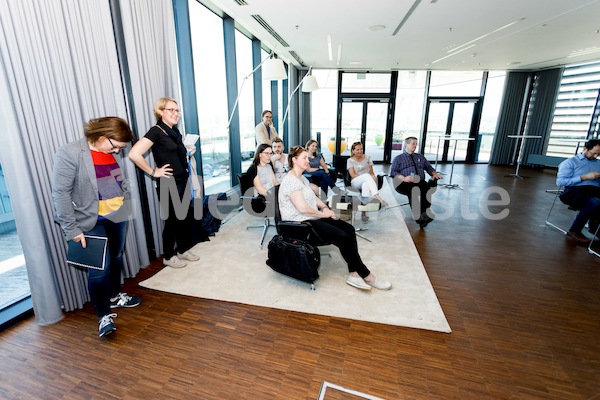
(116,148)
(267,153)
(172,110)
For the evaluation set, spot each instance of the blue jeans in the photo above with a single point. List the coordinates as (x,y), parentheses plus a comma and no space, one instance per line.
(584,198)
(105,284)
(323,179)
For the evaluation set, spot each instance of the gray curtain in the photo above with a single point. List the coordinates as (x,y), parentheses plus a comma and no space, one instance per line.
(150,51)
(59,67)
(539,122)
(515,90)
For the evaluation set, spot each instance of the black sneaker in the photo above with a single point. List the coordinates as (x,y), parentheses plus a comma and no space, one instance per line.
(106,325)
(124,300)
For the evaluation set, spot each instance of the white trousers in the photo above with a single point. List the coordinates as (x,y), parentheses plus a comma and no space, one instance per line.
(366,184)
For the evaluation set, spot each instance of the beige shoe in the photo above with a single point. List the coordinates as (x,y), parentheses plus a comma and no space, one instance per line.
(357,282)
(188,255)
(174,262)
(380,284)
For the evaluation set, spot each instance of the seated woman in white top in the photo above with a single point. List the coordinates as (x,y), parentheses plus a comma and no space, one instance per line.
(360,168)
(297,202)
(263,176)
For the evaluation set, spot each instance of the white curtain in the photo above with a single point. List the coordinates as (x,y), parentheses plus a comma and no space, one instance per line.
(59,67)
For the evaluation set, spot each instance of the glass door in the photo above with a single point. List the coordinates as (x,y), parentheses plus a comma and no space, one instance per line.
(374,140)
(448,118)
(366,122)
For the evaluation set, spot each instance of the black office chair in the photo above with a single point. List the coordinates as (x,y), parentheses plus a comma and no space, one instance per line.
(258,204)
(340,164)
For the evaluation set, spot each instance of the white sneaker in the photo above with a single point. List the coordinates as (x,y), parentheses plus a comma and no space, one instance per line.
(174,262)
(380,284)
(357,282)
(188,255)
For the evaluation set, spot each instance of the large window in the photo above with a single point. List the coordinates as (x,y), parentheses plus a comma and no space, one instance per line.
(362,82)
(14,285)
(577,97)
(455,83)
(211,89)
(489,115)
(266,87)
(243,55)
(410,97)
(323,109)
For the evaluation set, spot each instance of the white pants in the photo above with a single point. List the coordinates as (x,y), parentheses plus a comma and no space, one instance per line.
(366,184)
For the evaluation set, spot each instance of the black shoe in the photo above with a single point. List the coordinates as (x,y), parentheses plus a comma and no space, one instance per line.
(578,237)
(593,226)
(422,222)
(425,217)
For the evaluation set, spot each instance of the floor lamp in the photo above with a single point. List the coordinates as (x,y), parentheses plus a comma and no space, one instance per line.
(309,84)
(272,70)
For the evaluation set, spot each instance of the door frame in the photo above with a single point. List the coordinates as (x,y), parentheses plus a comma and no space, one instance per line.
(474,128)
(366,98)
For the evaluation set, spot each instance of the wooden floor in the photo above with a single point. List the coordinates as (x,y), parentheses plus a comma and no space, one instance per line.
(522,301)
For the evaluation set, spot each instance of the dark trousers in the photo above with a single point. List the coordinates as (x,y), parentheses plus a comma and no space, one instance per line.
(323,179)
(586,199)
(418,191)
(105,284)
(177,232)
(341,234)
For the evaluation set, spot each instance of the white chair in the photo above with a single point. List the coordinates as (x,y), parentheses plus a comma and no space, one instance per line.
(562,218)
(590,249)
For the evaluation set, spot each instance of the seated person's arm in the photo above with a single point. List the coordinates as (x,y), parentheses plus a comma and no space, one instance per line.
(395,173)
(371,172)
(297,199)
(352,173)
(566,174)
(259,186)
(435,175)
(323,165)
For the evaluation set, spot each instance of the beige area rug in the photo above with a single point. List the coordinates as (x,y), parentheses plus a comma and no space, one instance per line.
(232,268)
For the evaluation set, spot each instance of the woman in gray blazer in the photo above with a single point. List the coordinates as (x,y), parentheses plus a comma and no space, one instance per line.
(89,199)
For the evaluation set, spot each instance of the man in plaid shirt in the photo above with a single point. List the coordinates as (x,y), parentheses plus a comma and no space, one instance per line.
(408,170)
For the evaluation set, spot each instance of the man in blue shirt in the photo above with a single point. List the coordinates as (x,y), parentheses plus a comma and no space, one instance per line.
(408,170)
(580,175)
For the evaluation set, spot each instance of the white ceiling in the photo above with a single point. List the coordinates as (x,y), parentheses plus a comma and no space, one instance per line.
(543,34)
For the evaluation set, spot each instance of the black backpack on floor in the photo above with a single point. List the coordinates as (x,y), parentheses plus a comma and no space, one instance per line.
(294,258)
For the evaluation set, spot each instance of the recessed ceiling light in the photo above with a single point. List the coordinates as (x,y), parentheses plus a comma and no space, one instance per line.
(355,62)
(376,28)
(514,63)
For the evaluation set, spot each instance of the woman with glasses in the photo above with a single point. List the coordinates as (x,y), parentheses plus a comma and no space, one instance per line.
(172,177)
(89,199)
(297,202)
(263,176)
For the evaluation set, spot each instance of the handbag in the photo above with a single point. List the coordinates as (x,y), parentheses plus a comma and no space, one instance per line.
(294,258)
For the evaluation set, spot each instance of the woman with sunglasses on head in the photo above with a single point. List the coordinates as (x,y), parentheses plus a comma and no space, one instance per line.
(360,168)
(297,202)
(89,199)
(172,176)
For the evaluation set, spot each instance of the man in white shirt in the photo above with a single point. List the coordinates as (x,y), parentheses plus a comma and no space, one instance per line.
(279,159)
